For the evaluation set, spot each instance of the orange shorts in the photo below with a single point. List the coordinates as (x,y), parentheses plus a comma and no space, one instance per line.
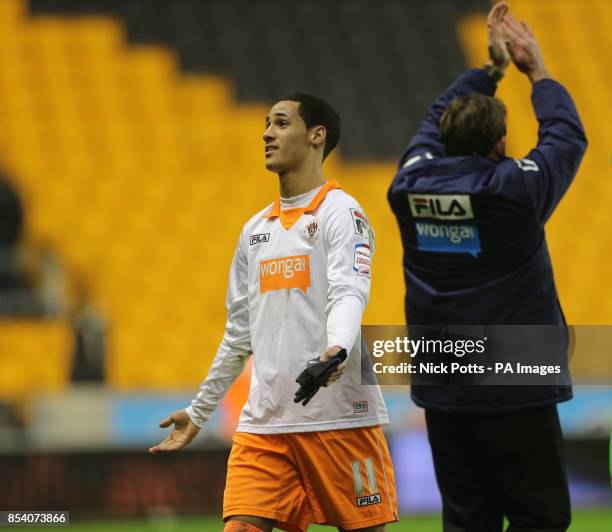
(342,478)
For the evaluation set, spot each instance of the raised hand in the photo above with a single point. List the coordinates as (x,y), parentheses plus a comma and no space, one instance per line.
(498,52)
(524,49)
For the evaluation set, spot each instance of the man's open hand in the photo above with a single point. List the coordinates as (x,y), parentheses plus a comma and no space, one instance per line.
(524,49)
(183,432)
(498,52)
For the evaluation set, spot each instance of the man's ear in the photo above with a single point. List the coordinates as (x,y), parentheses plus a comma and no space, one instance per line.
(501,147)
(318,134)
(499,150)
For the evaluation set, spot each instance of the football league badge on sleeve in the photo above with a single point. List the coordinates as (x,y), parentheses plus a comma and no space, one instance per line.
(360,222)
(362,260)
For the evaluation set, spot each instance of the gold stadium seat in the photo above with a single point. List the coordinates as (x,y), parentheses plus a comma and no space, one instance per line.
(141,179)
(34,357)
(576,46)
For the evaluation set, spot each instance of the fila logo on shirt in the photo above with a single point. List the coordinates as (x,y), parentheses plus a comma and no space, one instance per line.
(284,273)
(359,407)
(441,206)
(258,239)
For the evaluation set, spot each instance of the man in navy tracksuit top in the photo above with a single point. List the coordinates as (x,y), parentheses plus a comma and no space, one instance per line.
(472,226)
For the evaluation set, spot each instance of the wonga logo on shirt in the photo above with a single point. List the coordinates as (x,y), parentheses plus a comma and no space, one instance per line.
(284,272)
(448,235)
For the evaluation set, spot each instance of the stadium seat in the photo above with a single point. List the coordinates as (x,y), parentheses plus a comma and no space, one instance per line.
(35,357)
(140,176)
(576,46)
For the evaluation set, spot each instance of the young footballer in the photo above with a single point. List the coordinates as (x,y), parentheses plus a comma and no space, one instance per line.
(298,286)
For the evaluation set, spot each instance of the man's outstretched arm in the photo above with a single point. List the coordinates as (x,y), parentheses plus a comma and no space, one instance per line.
(227,366)
(428,142)
(548,170)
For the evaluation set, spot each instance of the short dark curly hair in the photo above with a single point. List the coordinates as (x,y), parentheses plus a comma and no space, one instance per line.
(472,124)
(317,112)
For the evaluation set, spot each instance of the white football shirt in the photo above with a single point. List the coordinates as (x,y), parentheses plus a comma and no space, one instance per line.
(299,283)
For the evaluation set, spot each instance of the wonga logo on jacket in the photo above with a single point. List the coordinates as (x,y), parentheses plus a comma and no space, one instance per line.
(284,272)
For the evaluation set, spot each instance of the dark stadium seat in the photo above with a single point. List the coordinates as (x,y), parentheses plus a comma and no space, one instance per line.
(273,47)
(154,170)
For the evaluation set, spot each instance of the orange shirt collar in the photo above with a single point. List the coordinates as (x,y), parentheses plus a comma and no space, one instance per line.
(288,217)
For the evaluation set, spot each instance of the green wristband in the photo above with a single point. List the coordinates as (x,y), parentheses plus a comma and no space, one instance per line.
(493,72)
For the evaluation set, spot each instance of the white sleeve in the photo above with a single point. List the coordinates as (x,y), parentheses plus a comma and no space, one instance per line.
(349,255)
(235,347)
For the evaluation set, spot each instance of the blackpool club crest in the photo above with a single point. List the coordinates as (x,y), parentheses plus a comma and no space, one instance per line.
(312,230)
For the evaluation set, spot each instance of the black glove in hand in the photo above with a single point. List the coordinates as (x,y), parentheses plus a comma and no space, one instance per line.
(316,375)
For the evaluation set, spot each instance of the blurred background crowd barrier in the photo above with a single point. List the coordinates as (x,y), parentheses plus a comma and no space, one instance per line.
(131,156)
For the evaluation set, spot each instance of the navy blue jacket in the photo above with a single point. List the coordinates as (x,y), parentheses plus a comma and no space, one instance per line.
(473,234)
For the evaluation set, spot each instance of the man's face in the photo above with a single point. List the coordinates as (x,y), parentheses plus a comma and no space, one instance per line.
(286,137)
